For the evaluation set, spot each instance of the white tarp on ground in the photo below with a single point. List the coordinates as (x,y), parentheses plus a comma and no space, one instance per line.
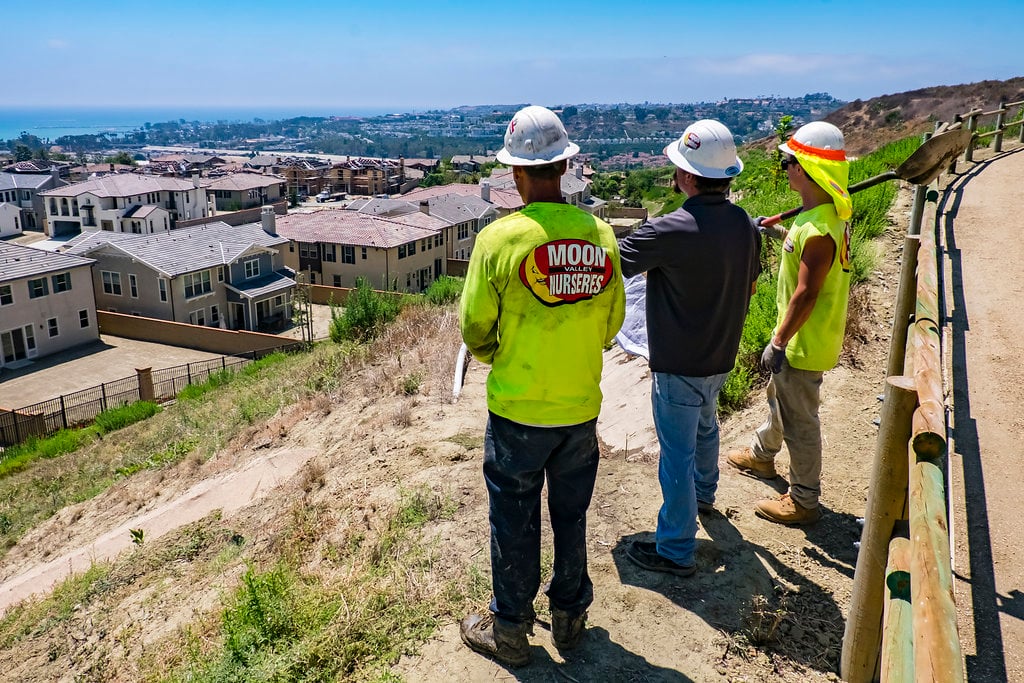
(633,335)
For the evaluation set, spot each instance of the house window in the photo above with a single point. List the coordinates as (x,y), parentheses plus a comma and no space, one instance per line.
(74,207)
(107,225)
(197,283)
(348,254)
(308,251)
(364,253)
(111,282)
(463,231)
(215,315)
(162,284)
(6,295)
(197,317)
(401,251)
(278,301)
(252,268)
(64,207)
(61,282)
(220,273)
(337,281)
(330,252)
(37,288)
(53,206)
(83,318)
(437,240)
(51,327)
(412,248)
(133,286)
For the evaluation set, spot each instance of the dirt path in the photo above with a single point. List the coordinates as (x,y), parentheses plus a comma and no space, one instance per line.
(984,219)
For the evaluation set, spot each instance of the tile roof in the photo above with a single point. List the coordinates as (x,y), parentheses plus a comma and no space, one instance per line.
(183,250)
(500,197)
(383,207)
(240,182)
(122,185)
(17,181)
(341,226)
(18,261)
(456,209)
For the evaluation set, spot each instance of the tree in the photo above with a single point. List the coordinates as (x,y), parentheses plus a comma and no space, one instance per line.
(640,113)
(569,112)
(22,152)
(783,129)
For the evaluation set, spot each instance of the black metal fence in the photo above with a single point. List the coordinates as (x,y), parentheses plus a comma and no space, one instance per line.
(81,407)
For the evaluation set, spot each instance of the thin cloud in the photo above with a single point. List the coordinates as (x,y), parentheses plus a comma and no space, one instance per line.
(57,44)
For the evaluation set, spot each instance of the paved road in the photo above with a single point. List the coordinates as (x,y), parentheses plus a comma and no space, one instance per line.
(984,268)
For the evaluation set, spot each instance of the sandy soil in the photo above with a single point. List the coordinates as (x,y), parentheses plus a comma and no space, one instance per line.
(767,603)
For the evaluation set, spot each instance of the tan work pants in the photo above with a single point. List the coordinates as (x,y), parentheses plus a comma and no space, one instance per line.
(793,400)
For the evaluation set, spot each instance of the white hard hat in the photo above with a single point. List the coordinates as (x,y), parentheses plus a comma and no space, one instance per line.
(819,139)
(706,149)
(535,136)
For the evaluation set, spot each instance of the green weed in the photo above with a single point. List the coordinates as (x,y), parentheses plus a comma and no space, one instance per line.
(365,314)
(444,290)
(119,418)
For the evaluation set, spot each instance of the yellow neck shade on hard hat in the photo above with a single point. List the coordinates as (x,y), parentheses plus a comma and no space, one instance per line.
(830,169)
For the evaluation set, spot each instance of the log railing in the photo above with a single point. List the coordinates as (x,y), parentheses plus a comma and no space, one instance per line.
(902,618)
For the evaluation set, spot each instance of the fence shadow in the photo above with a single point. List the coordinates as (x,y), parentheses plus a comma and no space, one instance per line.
(989,662)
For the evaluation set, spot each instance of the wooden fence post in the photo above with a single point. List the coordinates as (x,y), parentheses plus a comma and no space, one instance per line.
(897,655)
(906,296)
(885,504)
(997,146)
(972,125)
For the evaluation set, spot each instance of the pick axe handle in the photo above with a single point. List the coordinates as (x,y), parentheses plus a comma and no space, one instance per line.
(856,187)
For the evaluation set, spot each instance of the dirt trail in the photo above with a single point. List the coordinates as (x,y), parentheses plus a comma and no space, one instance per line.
(984,219)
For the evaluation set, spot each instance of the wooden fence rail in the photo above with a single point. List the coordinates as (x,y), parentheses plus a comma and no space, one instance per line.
(902,619)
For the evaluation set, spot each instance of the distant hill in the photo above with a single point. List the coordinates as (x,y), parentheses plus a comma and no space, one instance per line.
(870,124)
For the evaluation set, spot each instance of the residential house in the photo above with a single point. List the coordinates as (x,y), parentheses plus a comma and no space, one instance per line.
(123,202)
(504,199)
(39,166)
(424,165)
(87,171)
(214,274)
(471,163)
(21,207)
(46,303)
(243,191)
(304,177)
(367,176)
(336,246)
(575,189)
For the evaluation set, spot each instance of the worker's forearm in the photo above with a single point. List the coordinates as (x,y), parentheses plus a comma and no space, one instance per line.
(801,305)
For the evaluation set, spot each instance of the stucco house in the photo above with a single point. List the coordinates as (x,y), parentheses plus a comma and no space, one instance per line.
(336,246)
(123,202)
(243,191)
(21,207)
(214,274)
(46,303)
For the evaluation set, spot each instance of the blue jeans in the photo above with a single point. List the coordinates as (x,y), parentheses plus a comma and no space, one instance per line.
(516,459)
(685,416)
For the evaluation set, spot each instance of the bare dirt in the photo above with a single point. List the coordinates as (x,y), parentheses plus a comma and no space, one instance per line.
(767,603)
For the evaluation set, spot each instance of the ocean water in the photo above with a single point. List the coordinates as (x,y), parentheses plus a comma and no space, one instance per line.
(53,122)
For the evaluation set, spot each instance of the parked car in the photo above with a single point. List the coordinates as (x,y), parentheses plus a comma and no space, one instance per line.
(323,196)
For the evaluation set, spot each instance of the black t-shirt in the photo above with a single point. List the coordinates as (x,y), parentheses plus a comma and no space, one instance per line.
(701,262)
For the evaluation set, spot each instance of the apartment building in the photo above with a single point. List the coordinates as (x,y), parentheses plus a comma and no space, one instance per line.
(46,303)
(239,191)
(21,207)
(336,246)
(123,202)
(367,176)
(214,274)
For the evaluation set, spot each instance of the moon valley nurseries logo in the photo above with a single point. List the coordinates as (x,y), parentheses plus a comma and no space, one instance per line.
(566,271)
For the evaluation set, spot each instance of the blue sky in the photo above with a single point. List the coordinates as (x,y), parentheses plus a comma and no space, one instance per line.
(427,54)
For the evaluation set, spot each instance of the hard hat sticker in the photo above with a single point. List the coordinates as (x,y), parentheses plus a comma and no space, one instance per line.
(691,140)
(566,271)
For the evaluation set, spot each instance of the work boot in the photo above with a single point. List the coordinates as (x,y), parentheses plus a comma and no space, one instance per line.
(505,644)
(704,507)
(785,510)
(566,630)
(743,459)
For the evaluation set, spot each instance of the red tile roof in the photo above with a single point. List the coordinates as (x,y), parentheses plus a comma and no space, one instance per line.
(340,226)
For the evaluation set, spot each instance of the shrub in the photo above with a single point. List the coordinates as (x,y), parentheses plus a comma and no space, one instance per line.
(365,314)
(444,290)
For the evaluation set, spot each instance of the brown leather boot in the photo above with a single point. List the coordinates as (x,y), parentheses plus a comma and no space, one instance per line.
(566,630)
(505,644)
(785,510)
(743,459)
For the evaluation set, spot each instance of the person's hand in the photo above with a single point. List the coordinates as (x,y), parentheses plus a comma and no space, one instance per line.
(772,357)
(774,231)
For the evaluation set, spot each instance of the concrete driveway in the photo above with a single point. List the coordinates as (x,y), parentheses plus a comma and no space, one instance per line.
(87,366)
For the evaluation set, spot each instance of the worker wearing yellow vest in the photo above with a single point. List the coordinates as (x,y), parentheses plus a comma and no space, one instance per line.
(543,296)
(813,288)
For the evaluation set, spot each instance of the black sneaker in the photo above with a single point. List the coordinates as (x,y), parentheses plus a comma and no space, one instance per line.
(566,630)
(704,507)
(645,554)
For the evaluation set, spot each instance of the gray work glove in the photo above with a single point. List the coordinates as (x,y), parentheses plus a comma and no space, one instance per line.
(772,357)
(775,232)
